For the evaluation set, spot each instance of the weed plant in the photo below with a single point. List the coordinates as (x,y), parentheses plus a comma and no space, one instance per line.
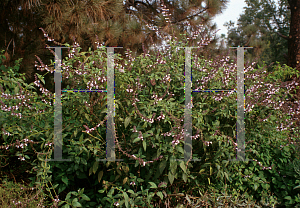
(149,121)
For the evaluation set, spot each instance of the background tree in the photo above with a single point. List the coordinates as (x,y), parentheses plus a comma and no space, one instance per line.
(198,22)
(112,22)
(125,25)
(294,36)
(294,48)
(273,29)
(20,36)
(264,26)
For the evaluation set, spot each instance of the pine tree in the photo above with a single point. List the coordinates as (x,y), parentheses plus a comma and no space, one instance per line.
(294,36)
(112,22)
(262,26)
(125,25)
(193,18)
(20,36)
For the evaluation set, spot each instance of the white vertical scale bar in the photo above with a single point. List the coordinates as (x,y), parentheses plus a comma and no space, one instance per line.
(110,128)
(110,125)
(58,108)
(240,124)
(188,107)
(240,105)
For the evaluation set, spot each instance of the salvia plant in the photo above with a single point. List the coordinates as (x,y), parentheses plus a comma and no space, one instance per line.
(149,127)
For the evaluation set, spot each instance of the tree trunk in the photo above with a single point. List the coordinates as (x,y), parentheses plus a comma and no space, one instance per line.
(294,53)
(294,37)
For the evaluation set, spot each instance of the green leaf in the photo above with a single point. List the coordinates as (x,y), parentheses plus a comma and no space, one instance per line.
(100,174)
(75,203)
(85,197)
(147,135)
(136,140)
(90,171)
(162,166)
(127,121)
(125,180)
(202,170)
(272,118)
(87,117)
(140,180)
(111,192)
(16,90)
(163,185)
(68,196)
(256,186)
(131,191)
(77,160)
(65,179)
(184,177)
(42,79)
(288,197)
(160,195)
(173,166)
(144,144)
(95,166)
(126,199)
(171,177)
(265,186)
(75,132)
(183,167)
(179,149)
(3,68)
(153,185)
(125,169)
(83,161)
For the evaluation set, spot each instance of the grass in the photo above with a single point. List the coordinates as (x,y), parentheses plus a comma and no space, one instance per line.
(17,195)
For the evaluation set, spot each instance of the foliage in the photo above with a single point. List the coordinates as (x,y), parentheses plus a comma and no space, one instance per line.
(16,195)
(138,183)
(123,23)
(262,26)
(154,141)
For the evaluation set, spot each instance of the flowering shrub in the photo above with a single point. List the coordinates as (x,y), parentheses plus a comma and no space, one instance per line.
(149,116)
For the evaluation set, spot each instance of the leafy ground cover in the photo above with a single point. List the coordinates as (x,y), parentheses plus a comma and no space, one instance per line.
(149,135)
